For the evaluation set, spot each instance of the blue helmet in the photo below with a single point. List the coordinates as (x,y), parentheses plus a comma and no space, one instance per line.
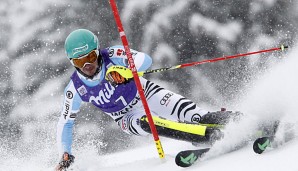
(80,42)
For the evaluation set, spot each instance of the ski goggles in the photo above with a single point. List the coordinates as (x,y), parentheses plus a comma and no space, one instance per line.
(86,59)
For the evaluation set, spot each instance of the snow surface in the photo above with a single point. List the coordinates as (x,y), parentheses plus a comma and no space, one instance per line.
(144,159)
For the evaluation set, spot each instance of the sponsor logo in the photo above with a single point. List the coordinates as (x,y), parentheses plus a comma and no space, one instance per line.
(82,90)
(79,49)
(160,124)
(111,52)
(166,99)
(123,125)
(104,95)
(69,94)
(119,52)
(66,109)
(132,53)
(196,118)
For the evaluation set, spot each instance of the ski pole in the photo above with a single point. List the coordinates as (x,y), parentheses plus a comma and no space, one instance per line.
(128,74)
(136,78)
(281,48)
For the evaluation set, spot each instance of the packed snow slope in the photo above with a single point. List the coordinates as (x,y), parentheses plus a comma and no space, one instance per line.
(145,158)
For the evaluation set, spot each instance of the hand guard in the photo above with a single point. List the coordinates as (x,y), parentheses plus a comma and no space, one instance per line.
(66,161)
(119,75)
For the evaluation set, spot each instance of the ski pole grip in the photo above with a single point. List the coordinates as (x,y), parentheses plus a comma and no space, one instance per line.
(282,47)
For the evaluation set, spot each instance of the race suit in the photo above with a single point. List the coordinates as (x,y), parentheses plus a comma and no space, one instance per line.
(121,102)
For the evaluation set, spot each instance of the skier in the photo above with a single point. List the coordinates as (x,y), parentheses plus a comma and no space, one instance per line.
(116,95)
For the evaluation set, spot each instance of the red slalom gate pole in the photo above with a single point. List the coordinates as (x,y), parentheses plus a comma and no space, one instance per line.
(136,78)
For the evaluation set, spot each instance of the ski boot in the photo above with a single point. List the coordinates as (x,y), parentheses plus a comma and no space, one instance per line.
(215,122)
(221,117)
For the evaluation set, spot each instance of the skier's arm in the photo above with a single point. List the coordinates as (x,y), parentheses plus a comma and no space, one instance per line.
(118,56)
(71,105)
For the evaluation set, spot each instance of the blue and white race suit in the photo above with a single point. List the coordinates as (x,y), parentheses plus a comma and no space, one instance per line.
(121,102)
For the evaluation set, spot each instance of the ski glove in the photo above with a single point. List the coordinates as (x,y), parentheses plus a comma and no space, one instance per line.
(65,162)
(119,75)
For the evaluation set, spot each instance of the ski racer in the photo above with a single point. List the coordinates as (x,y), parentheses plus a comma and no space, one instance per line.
(116,95)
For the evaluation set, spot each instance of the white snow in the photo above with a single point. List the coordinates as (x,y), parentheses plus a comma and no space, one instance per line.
(146,159)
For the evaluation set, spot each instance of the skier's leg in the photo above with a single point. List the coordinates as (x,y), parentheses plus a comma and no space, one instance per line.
(170,105)
(135,123)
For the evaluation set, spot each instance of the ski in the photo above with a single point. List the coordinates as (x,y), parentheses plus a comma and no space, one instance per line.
(260,144)
(187,158)
(273,141)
